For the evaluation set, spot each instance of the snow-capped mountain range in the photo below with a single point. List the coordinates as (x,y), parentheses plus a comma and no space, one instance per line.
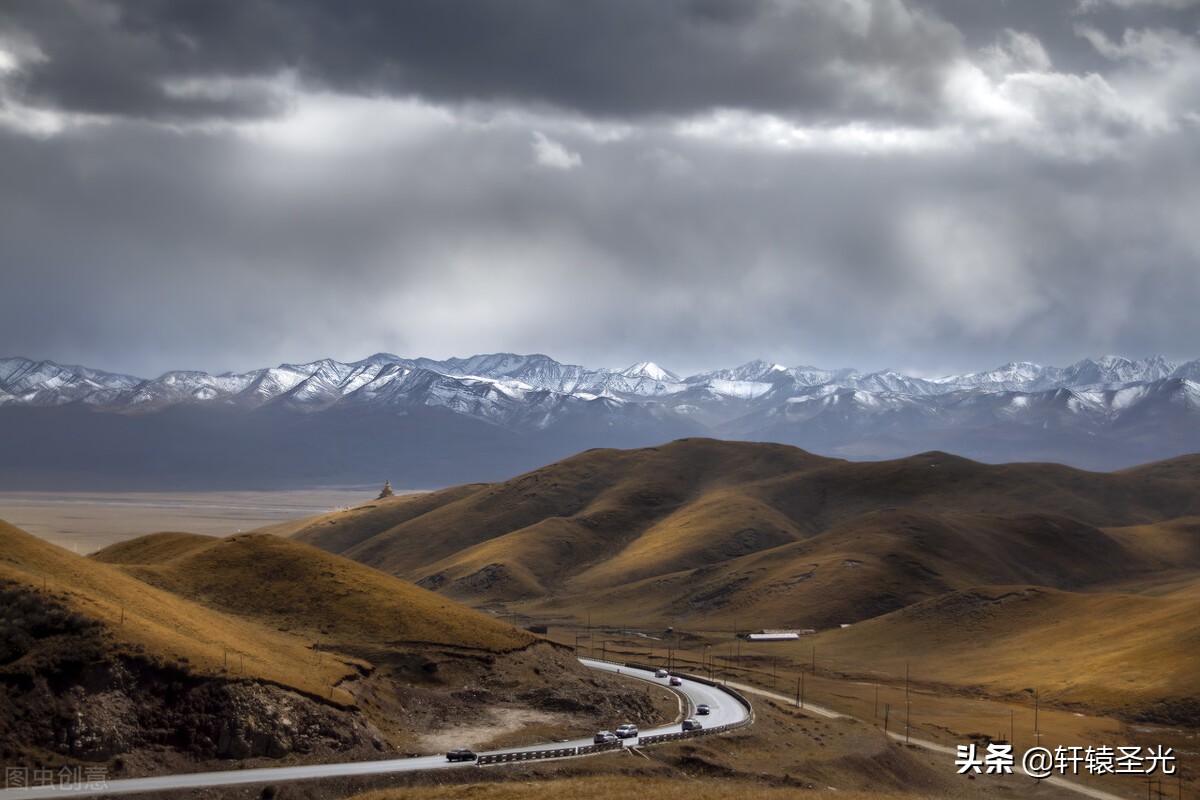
(461,383)
(1100,413)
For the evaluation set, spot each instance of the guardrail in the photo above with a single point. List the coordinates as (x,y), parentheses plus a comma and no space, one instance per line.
(567,752)
(671,737)
(559,752)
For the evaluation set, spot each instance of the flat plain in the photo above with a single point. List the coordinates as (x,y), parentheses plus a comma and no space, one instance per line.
(85,522)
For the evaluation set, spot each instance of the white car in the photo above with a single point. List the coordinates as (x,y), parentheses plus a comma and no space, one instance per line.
(627,731)
(660,673)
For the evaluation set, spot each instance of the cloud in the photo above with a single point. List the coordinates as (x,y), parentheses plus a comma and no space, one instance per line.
(549,153)
(1015,51)
(603,58)
(1178,5)
(231,184)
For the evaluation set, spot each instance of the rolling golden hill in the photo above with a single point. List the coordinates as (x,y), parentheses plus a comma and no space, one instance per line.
(1130,655)
(145,620)
(702,529)
(175,648)
(308,591)
(704,535)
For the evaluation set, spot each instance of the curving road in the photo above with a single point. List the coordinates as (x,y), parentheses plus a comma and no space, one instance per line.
(724,710)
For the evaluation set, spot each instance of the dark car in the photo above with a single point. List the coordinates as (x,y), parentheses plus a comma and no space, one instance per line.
(461,754)
(676,680)
(605,737)
(692,725)
(703,709)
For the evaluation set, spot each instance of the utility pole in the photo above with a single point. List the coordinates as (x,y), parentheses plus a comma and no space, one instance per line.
(907,704)
(875,714)
(887,712)
(800,690)
(1036,733)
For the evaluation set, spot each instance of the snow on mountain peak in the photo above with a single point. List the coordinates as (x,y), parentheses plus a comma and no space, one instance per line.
(512,390)
(648,369)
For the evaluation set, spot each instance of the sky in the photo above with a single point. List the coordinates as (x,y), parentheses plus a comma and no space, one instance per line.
(933,186)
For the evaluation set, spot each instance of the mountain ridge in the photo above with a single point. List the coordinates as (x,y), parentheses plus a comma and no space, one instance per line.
(487,416)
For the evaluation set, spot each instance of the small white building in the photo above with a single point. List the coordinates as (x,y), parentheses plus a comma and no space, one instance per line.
(771,637)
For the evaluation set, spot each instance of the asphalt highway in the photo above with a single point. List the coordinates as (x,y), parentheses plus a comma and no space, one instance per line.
(724,710)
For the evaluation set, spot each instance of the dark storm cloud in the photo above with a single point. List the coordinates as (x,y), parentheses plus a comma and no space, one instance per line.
(111,59)
(861,183)
(202,251)
(811,58)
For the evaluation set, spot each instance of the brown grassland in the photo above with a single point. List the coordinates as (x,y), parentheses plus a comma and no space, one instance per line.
(988,584)
(307,591)
(172,618)
(992,577)
(962,595)
(145,619)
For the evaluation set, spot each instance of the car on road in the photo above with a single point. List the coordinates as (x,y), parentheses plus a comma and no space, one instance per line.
(702,709)
(605,737)
(660,673)
(627,731)
(676,680)
(692,725)
(461,754)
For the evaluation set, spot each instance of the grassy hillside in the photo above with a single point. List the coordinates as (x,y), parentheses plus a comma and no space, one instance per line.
(1124,654)
(857,570)
(700,526)
(307,591)
(147,621)
(152,548)
(611,492)
(704,535)
(174,648)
